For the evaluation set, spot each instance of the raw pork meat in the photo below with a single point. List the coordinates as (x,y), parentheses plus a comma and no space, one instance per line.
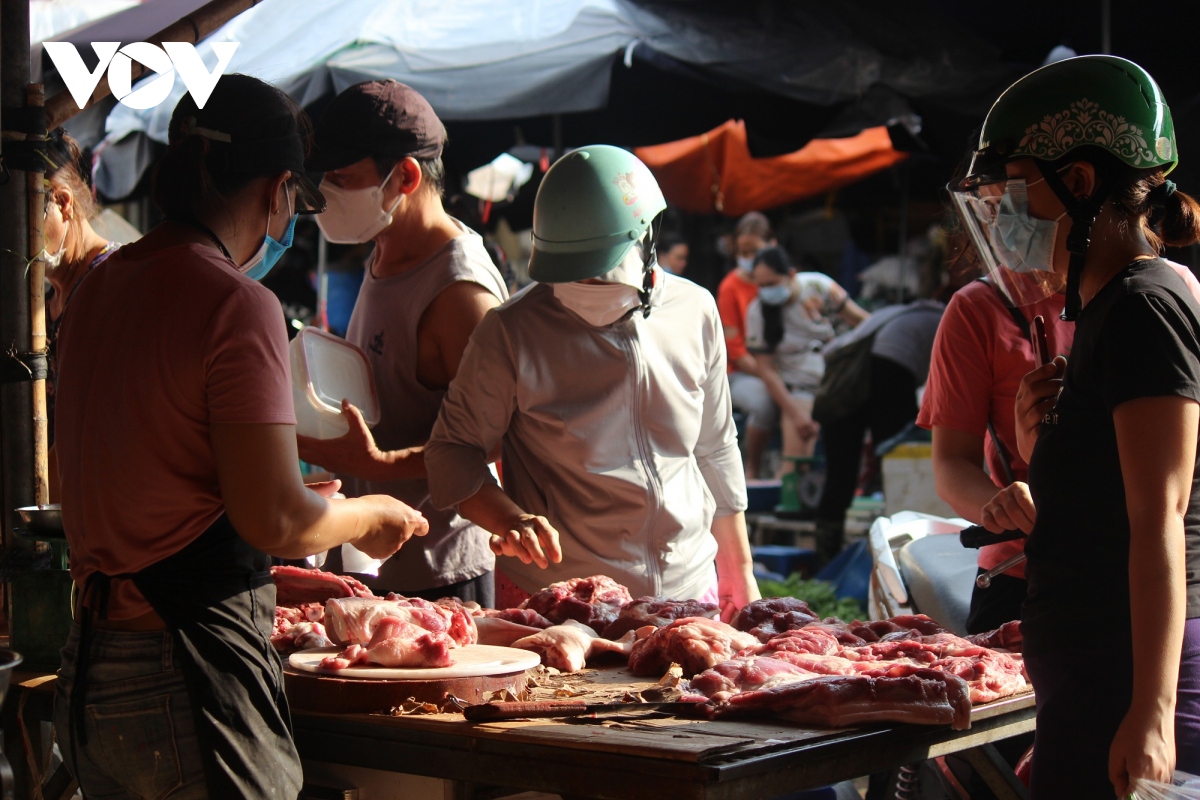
(773,615)
(594,601)
(695,643)
(658,612)
(521,616)
(896,627)
(352,620)
(462,622)
(989,674)
(396,643)
(1007,637)
(926,697)
(292,636)
(501,632)
(297,585)
(567,647)
(743,674)
(299,627)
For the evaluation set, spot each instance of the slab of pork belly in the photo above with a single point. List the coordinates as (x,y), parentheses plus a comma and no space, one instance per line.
(352,620)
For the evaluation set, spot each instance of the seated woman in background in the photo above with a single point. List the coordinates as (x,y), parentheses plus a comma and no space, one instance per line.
(786,327)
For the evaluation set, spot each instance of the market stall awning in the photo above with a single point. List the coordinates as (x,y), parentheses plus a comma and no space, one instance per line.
(715,173)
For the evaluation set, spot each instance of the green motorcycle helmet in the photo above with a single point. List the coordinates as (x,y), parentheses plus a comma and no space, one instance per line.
(1100,101)
(594,204)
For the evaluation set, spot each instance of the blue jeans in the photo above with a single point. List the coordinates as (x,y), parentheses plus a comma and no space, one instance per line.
(141,739)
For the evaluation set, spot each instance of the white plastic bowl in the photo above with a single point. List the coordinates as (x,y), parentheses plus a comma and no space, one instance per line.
(325,369)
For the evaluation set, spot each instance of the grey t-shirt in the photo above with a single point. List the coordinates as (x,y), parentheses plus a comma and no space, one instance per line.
(908,339)
(384,325)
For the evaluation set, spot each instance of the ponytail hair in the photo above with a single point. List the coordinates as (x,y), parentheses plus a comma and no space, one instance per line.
(1144,197)
(775,259)
(1179,218)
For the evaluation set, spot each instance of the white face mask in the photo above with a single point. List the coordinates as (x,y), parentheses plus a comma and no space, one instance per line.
(745,263)
(602,304)
(599,304)
(354,216)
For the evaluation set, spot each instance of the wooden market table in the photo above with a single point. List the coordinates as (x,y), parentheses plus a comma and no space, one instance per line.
(652,757)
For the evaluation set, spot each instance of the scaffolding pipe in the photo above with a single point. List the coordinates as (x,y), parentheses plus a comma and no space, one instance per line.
(16,406)
(193,28)
(35,189)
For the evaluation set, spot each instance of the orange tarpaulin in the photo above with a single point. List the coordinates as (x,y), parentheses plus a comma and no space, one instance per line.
(714,172)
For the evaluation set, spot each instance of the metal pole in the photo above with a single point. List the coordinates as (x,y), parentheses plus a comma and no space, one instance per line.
(192,28)
(35,183)
(16,407)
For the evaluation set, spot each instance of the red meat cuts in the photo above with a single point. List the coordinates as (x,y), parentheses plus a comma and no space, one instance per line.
(520,616)
(902,625)
(300,636)
(770,616)
(657,612)
(989,674)
(352,620)
(296,585)
(743,674)
(462,623)
(695,643)
(926,697)
(396,643)
(817,639)
(1007,637)
(568,647)
(299,628)
(594,601)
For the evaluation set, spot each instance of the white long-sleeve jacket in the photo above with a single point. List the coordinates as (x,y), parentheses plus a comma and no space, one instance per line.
(621,436)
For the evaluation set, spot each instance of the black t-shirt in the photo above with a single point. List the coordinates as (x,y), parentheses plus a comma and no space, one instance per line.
(1138,337)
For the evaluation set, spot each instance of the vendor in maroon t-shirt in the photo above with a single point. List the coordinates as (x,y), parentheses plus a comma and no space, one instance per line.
(177,452)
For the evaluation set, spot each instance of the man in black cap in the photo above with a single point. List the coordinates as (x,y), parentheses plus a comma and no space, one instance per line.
(429,282)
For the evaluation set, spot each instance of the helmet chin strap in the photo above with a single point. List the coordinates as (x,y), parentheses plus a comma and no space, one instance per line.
(649,259)
(1083,212)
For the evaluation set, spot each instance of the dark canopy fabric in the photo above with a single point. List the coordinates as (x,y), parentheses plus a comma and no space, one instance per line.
(628,73)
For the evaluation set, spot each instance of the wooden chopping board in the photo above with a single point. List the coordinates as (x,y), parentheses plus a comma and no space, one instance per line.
(472,661)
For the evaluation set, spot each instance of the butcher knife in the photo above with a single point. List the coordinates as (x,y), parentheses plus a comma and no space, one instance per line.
(487,712)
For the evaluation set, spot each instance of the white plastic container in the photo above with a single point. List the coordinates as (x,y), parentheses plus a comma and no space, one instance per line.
(325,369)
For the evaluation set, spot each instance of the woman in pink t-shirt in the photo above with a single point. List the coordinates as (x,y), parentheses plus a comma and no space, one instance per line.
(979,357)
(177,455)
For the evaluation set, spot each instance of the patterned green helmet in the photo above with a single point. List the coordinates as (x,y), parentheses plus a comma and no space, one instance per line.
(593,205)
(1101,101)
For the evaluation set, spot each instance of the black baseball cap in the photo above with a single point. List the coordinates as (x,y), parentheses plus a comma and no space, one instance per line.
(264,130)
(383,118)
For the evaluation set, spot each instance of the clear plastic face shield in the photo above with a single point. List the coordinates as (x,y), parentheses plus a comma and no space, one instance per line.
(1014,248)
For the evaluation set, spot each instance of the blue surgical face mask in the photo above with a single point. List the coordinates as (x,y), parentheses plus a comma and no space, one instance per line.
(271,251)
(1026,243)
(775,295)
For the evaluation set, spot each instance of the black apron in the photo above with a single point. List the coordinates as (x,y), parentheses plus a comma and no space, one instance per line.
(217,597)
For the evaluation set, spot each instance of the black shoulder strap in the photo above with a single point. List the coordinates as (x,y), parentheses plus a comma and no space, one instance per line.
(1013,311)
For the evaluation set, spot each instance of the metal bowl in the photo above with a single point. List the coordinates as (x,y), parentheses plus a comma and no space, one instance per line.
(42,519)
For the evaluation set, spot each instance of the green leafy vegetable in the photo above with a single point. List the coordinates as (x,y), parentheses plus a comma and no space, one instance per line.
(820,596)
